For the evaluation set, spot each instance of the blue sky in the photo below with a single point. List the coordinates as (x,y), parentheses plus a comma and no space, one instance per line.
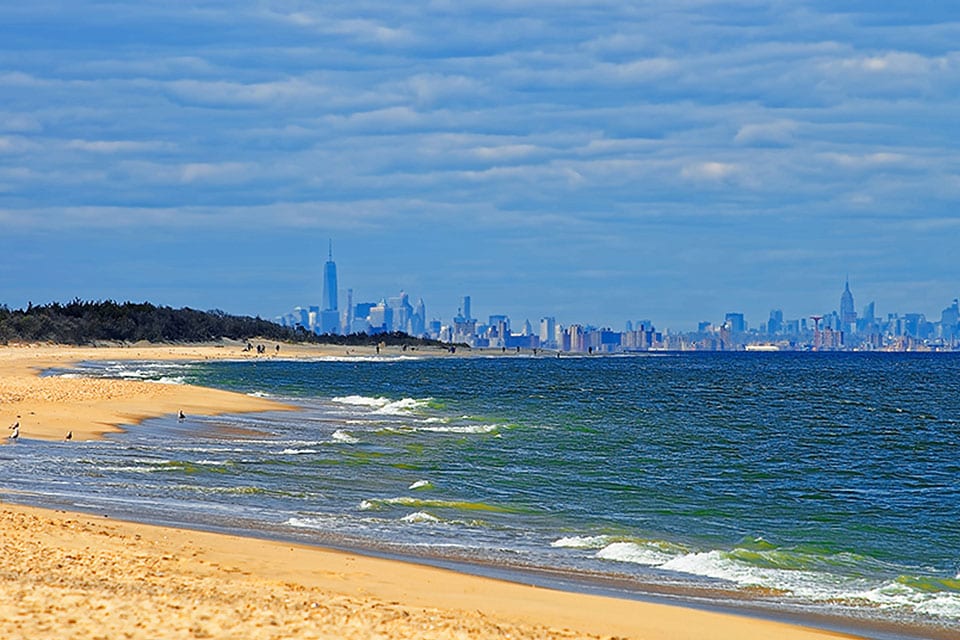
(598,161)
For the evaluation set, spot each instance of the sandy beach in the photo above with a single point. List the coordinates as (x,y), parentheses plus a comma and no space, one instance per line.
(50,407)
(65,575)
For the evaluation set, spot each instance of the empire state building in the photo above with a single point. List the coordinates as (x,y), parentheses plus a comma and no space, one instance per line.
(848,316)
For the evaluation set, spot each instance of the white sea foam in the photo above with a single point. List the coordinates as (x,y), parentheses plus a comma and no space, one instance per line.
(304,523)
(363,359)
(420,516)
(159,372)
(259,394)
(477,428)
(715,564)
(128,469)
(343,437)
(421,484)
(807,584)
(582,542)
(296,452)
(637,553)
(895,594)
(361,401)
(401,407)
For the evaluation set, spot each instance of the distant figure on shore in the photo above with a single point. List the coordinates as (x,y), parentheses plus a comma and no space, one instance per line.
(180,416)
(69,435)
(16,432)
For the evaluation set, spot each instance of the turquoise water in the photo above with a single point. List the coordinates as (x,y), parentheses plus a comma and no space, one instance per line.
(823,483)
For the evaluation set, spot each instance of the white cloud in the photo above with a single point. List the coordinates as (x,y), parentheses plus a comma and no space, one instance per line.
(117,146)
(362,29)
(262,94)
(16,144)
(431,88)
(780,132)
(894,62)
(710,171)
(19,123)
(215,171)
(506,153)
(867,160)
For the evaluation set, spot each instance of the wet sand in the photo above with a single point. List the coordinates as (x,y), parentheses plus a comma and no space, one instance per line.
(80,576)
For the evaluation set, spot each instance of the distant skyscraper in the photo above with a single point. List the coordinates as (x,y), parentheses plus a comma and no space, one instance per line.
(775,323)
(735,322)
(330,283)
(466,309)
(419,320)
(329,316)
(950,321)
(548,331)
(348,313)
(848,314)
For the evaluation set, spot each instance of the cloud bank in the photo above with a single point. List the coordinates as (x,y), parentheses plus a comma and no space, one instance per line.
(665,146)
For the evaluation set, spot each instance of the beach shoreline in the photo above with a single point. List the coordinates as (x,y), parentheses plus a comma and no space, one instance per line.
(90,576)
(63,568)
(48,408)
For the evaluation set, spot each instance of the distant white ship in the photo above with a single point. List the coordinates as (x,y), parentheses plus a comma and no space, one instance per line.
(762,347)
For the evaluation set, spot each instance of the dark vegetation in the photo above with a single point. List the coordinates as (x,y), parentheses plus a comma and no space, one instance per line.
(81,322)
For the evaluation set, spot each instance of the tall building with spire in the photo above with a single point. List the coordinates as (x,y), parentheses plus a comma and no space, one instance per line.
(329,316)
(848,314)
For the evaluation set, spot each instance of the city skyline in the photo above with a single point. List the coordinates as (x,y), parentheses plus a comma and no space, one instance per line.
(606,162)
(841,328)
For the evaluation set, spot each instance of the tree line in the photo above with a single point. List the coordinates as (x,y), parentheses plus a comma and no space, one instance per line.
(83,322)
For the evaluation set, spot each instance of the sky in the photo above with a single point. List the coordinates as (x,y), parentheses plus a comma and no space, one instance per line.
(596,161)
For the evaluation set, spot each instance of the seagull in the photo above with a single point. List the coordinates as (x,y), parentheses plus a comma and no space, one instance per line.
(180,415)
(69,435)
(16,432)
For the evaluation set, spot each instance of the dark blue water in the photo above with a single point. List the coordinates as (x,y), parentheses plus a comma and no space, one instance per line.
(818,482)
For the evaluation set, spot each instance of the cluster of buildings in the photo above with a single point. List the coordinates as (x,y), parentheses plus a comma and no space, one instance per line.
(497,333)
(840,330)
(383,316)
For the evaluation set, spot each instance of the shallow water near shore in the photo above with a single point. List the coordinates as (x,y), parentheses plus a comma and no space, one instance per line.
(810,483)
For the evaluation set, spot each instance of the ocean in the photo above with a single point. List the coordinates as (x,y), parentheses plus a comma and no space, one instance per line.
(813,486)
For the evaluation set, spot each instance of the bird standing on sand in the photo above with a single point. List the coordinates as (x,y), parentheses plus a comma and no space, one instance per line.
(16,432)
(69,435)
(180,415)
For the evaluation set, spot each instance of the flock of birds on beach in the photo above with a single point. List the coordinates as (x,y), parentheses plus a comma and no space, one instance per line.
(15,435)
(15,428)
